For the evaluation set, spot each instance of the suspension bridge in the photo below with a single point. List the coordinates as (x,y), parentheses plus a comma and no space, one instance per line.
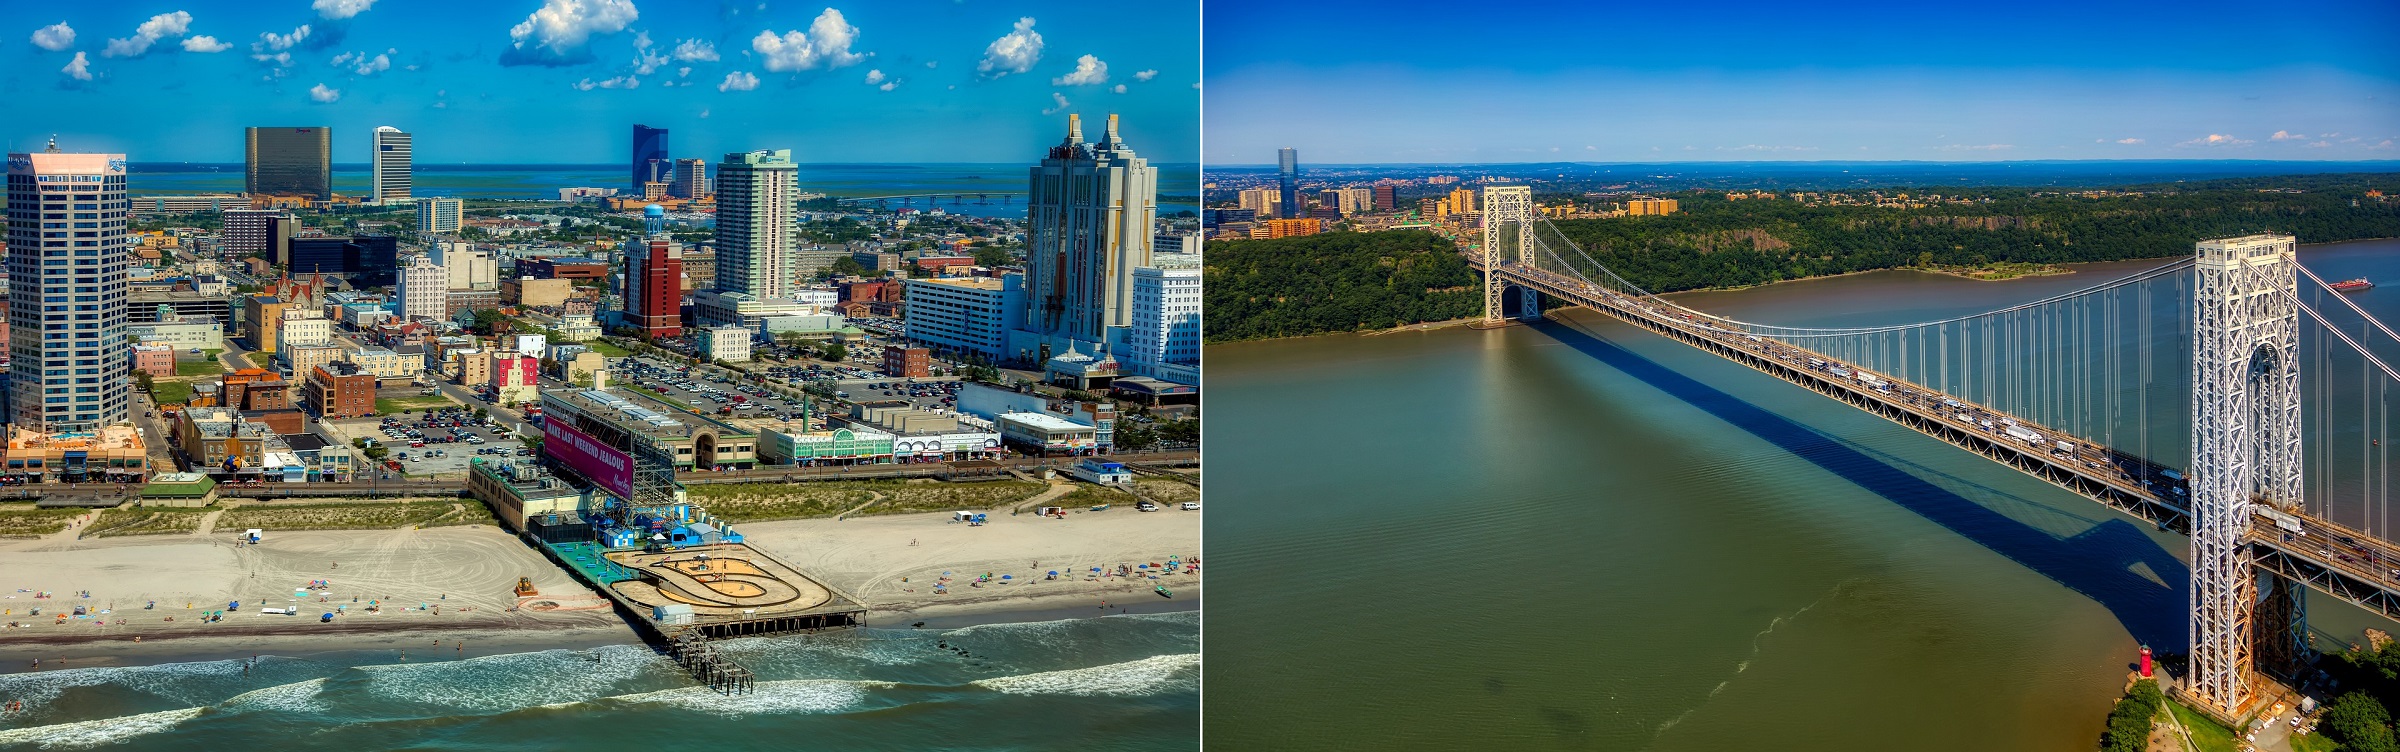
(2173,394)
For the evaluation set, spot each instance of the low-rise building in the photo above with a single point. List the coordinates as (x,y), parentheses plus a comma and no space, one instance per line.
(341,390)
(516,378)
(112,454)
(907,362)
(157,360)
(519,490)
(221,443)
(726,344)
(386,363)
(181,332)
(1043,433)
(305,358)
(537,292)
(793,444)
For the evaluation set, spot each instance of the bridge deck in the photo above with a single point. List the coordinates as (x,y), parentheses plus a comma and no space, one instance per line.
(2333,559)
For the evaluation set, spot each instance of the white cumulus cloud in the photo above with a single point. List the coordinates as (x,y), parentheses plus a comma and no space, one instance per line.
(273,42)
(738,81)
(1145,76)
(341,9)
(874,76)
(205,43)
(56,37)
(1061,99)
(826,44)
(1088,70)
(159,27)
(2129,141)
(555,34)
(79,68)
(1120,88)
(889,85)
(620,82)
(1014,52)
(324,95)
(2287,136)
(2217,139)
(695,51)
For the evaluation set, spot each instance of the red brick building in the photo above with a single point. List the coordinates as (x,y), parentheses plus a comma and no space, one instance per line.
(907,362)
(341,390)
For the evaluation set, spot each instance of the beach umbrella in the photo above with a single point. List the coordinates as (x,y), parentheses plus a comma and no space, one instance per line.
(1054,573)
(1141,566)
(1008,577)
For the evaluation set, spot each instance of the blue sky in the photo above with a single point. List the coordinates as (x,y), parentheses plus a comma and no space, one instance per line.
(1384,82)
(562,81)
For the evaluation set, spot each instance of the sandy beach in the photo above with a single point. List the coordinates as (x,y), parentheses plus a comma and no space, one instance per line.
(454,585)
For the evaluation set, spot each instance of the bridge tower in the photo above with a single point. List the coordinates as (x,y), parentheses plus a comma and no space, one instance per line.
(2245,450)
(1507,223)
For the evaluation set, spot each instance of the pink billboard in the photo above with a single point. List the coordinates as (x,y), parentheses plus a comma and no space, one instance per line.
(611,469)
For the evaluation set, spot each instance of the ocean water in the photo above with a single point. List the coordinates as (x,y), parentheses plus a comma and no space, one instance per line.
(1119,682)
(1176,181)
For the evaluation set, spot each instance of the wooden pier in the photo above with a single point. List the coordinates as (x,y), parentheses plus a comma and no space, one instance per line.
(691,650)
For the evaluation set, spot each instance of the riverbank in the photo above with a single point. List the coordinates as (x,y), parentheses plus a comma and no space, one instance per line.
(455,586)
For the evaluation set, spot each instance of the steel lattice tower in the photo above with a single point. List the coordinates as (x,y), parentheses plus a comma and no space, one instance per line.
(1507,220)
(2245,450)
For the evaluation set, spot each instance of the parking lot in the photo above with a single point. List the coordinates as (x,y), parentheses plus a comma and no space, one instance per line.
(717,397)
(437,444)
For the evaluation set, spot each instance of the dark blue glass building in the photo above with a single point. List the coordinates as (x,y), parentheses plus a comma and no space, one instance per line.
(649,155)
(1289,162)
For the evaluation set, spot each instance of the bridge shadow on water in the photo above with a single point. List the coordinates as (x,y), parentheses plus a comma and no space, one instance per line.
(2097,562)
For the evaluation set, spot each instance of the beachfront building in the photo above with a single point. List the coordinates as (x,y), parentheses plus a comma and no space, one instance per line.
(224,444)
(794,444)
(67,375)
(520,491)
(926,435)
(111,454)
(1046,434)
(179,490)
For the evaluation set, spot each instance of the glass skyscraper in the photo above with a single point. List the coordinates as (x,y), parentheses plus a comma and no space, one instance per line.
(1288,164)
(289,161)
(649,156)
(67,253)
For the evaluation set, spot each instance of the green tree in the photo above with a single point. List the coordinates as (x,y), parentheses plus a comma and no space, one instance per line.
(992,255)
(142,379)
(847,265)
(2359,722)
(2129,723)
(834,352)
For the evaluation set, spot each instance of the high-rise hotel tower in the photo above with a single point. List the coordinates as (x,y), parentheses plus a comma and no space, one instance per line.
(1088,224)
(67,252)
(391,161)
(758,209)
